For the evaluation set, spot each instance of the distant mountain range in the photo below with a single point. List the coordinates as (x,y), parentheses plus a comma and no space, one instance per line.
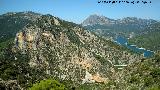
(95,19)
(128,27)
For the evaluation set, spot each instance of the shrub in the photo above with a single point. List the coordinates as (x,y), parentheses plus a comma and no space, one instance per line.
(48,84)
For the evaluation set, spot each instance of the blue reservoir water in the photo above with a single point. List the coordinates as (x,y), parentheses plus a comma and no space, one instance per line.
(124,42)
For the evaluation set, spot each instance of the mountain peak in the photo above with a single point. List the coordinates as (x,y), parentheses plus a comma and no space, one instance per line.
(96,19)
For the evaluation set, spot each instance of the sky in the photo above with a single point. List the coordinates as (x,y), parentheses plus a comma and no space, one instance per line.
(78,10)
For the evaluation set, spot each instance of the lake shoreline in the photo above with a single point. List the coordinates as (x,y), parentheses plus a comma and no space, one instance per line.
(124,42)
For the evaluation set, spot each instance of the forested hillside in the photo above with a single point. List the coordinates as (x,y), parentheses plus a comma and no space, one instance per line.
(150,39)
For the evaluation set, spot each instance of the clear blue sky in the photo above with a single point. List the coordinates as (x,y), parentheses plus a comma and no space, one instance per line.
(78,10)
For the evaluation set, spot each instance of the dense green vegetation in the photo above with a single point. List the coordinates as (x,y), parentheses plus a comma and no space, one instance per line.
(5,43)
(48,84)
(73,37)
(14,66)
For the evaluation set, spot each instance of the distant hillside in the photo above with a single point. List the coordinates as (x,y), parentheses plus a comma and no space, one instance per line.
(128,27)
(43,46)
(150,39)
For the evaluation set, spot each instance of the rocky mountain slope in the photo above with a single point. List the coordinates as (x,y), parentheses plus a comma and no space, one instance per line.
(128,27)
(47,46)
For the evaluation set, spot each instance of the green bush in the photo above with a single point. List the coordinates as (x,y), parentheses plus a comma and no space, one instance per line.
(48,84)
(156,87)
(73,37)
